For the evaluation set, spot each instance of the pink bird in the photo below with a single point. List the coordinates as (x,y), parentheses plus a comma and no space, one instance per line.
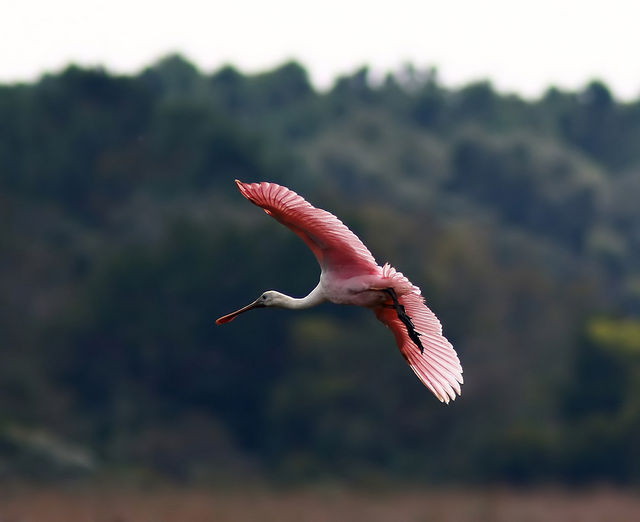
(351,276)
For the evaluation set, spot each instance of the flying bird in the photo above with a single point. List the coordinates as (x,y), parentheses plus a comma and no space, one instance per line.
(351,276)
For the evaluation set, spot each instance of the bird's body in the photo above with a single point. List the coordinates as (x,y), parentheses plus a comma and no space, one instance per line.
(351,276)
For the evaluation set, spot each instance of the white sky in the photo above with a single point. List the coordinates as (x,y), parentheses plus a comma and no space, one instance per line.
(521,46)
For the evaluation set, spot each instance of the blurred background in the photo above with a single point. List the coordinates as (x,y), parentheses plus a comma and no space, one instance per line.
(122,235)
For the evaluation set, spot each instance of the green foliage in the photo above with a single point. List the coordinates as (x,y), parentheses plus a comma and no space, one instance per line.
(621,336)
(123,238)
(530,183)
(601,405)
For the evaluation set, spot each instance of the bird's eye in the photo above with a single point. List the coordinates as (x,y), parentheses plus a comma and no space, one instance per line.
(264,297)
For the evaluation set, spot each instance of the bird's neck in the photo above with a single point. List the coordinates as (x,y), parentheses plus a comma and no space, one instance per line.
(314,298)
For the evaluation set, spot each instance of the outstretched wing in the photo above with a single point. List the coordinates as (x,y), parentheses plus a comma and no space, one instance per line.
(438,367)
(333,244)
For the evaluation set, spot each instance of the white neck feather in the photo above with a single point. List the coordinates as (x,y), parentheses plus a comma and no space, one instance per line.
(314,298)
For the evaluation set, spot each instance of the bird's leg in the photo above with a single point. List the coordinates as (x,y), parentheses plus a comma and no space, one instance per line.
(405,318)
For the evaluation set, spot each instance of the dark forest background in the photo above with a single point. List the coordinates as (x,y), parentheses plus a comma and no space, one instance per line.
(123,237)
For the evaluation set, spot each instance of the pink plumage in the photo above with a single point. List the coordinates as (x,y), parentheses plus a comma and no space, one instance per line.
(350,275)
(333,244)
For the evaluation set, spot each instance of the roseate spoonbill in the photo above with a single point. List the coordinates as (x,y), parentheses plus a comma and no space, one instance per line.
(350,275)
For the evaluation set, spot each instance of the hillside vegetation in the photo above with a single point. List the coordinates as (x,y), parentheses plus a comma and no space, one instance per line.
(123,237)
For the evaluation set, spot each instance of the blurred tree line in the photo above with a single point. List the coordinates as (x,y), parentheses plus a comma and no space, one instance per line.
(123,237)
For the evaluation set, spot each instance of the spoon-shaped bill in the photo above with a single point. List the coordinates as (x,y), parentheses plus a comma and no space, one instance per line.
(230,317)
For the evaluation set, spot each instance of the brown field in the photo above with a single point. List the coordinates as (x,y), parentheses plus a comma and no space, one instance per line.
(316,505)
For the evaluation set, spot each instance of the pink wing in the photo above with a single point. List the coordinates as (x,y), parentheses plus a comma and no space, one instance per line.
(438,367)
(336,248)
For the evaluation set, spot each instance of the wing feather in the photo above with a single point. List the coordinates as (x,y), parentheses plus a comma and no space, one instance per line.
(438,367)
(334,245)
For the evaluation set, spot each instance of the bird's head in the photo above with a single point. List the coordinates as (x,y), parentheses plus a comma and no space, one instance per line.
(268,298)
